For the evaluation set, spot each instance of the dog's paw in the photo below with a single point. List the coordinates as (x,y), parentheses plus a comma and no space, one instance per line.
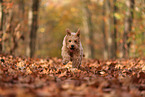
(65,62)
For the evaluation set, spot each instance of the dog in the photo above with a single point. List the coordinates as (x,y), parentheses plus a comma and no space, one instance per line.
(72,49)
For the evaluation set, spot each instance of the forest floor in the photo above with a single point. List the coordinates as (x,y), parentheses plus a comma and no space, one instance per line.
(26,77)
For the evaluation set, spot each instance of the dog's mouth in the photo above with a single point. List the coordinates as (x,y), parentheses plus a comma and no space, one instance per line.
(72,49)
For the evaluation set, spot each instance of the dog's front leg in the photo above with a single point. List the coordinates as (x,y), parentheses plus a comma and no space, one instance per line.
(76,62)
(65,57)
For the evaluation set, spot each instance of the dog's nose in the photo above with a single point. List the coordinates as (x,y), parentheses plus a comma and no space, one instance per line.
(72,46)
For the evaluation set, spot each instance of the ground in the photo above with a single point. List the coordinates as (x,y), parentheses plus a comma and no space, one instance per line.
(23,77)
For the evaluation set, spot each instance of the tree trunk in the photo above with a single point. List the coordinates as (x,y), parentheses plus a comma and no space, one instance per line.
(114,35)
(28,39)
(104,33)
(108,27)
(88,29)
(34,27)
(128,27)
(1,26)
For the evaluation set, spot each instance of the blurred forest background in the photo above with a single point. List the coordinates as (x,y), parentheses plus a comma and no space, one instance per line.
(109,28)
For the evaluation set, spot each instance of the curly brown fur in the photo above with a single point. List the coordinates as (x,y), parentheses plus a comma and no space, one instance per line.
(72,49)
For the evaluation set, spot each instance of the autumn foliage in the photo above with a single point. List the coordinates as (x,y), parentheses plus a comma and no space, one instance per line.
(27,77)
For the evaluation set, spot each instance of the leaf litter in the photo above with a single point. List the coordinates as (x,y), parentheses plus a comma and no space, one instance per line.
(27,77)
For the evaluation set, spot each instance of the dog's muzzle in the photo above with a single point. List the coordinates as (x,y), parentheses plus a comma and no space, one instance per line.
(72,49)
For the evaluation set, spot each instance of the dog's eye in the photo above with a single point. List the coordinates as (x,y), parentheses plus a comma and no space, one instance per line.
(69,41)
(75,41)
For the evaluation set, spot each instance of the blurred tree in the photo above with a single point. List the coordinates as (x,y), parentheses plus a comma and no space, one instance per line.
(114,35)
(109,37)
(34,26)
(104,31)
(128,27)
(88,29)
(12,27)
(108,28)
(1,25)
(6,26)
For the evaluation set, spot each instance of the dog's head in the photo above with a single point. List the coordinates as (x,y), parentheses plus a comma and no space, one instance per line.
(73,40)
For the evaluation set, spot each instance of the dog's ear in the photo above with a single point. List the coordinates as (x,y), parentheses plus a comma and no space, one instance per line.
(68,32)
(78,33)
